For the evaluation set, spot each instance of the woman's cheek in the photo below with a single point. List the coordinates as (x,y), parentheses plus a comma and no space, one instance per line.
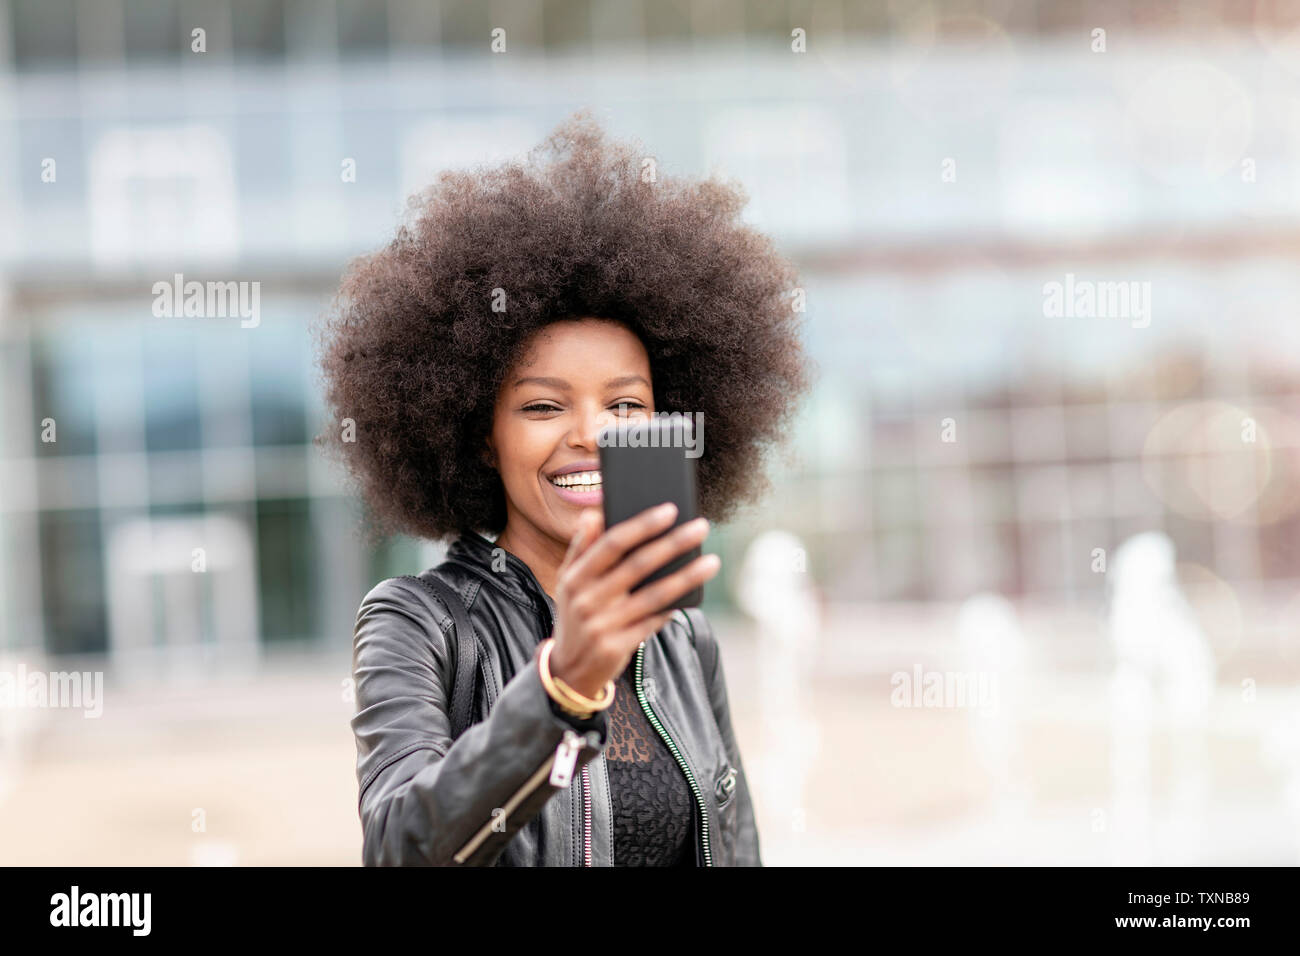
(537,446)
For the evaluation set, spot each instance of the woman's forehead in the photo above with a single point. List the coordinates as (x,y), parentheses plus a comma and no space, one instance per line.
(588,345)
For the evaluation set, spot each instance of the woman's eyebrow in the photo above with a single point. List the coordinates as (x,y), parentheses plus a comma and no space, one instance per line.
(564,386)
(541,380)
(626,380)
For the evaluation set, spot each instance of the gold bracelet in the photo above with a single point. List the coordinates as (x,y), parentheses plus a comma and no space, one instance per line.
(570,700)
(563,701)
(554,694)
(604,700)
(567,692)
(566,696)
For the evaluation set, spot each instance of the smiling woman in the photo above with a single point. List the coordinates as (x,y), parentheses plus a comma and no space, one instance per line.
(474,361)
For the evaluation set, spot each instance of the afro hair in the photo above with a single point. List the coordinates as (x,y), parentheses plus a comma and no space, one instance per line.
(417,344)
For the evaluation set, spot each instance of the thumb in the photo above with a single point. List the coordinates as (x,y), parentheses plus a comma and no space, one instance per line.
(591,522)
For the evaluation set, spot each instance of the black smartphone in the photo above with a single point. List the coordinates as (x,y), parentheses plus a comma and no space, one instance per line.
(645,462)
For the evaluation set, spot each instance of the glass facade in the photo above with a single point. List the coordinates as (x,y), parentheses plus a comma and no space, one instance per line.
(926,227)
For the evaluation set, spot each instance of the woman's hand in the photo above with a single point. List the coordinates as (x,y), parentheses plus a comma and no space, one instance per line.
(599,620)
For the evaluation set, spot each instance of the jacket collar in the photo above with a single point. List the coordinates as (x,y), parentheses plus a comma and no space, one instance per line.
(511,575)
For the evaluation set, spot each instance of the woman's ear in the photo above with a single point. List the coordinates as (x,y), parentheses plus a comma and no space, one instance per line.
(488,454)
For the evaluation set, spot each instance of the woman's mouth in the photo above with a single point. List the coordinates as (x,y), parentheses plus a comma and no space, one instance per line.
(577,487)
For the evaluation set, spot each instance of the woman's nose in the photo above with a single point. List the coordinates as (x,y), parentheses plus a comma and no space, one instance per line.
(587,428)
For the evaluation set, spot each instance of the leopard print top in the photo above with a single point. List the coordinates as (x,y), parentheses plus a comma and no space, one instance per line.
(653,808)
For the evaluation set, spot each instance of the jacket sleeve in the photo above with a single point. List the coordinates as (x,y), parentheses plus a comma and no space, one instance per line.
(423,800)
(747,850)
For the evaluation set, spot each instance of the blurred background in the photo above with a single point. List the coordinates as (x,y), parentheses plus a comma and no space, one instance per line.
(1027,591)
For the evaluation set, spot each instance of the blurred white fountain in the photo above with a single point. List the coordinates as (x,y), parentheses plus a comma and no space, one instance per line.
(1280,744)
(774,589)
(1164,678)
(19,725)
(993,652)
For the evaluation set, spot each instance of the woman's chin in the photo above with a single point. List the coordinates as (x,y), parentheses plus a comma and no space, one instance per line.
(565,525)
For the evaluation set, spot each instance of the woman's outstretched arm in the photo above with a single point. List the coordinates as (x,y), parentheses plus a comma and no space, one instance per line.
(423,800)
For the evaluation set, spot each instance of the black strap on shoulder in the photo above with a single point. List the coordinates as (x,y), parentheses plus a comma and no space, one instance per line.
(465,662)
(708,656)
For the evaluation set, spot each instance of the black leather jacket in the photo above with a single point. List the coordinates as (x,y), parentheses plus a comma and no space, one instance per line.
(498,795)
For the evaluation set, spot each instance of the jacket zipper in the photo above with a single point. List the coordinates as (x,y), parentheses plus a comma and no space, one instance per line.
(557,769)
(690,777)
(586,817)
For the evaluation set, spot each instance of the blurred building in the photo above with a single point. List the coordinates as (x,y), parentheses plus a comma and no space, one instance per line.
(961,438)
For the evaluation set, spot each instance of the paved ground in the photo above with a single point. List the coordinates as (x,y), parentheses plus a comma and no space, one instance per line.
(265,765)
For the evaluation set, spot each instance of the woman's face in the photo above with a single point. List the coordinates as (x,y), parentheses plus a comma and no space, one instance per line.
(576,377)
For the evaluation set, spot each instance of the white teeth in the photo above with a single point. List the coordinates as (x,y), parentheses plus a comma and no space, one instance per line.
(580,479)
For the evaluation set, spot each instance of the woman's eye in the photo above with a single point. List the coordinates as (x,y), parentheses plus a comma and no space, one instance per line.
(540,408)
(623,407)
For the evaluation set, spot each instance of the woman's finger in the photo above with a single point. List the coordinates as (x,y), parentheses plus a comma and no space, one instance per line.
(645,560)
(590,523)
(647,601)
(610,546)
(629,637)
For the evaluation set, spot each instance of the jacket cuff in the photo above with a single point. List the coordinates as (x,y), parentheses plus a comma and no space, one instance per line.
(597,721)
